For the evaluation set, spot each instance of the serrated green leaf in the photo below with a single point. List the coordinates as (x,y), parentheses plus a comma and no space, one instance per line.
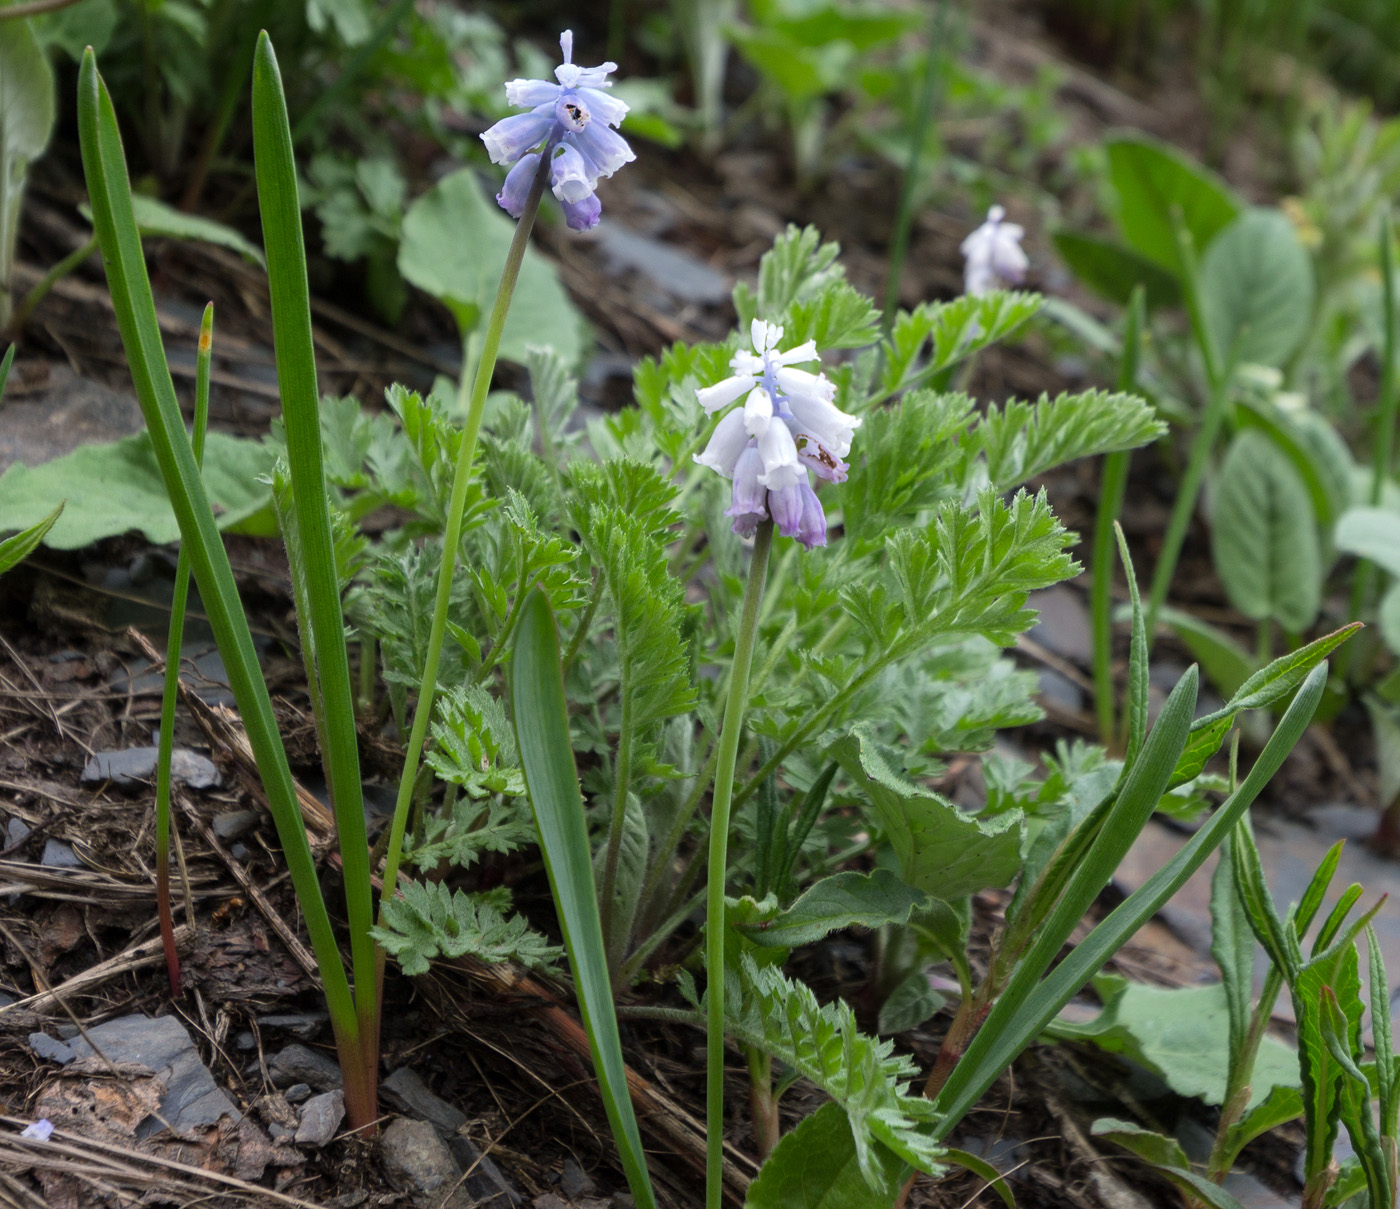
(936,335)
(864,1076)
(941,850)
(427,920)
(1021,440)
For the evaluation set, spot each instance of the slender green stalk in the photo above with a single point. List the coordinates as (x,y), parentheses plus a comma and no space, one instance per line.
(452,534)
(1111,489)
(166,739)
(1383,438)
(1218,375)
(904,218)
(614,928)
(45,283)
(719,852)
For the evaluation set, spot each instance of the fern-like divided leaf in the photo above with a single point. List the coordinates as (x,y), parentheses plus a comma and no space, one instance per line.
(798,267)
(782,1018)
(427,921)
(473,745)
(952,332)
(1021,440)
(648,612)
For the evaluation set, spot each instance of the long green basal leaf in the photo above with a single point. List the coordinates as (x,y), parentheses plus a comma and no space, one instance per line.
(104,166)
(296,378)
(1012,1026)
(546,754)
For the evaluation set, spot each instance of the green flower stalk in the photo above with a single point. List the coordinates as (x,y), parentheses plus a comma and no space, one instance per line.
(165,742)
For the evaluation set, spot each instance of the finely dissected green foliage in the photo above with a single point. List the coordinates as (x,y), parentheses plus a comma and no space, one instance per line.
(428,920)
(473,745)
(1021,440)
(782,1018)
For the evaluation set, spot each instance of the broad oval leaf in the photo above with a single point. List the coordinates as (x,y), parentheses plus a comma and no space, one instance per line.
(1156,182)
(454,245)
(1114,270)
(1264,536)
(26,98)
(1372,533)
(815,1167)
(869,900)
(941,850)
(1257,289)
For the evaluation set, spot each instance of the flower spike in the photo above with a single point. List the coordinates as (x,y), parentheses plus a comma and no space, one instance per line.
(788,425)
(571,123)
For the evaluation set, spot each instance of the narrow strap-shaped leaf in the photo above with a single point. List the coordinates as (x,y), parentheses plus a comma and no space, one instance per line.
(547,758)
(1137,657)
(296,379)
(5,362)
(1142,788)
(104,166)
(14,550)
(1009,1030)
(1232,946)
(1381,1034)
(1336,918)
(1259,906)
(1317,888)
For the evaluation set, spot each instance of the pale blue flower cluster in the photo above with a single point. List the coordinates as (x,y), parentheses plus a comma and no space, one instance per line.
(993,254)
(788,425)
(572,123)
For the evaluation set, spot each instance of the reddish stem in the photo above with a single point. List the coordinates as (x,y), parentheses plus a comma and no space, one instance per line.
(167,921)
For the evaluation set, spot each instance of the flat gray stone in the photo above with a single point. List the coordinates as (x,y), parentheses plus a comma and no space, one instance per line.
(297,1064)
(668,267)
(67,411)
(136,765)
(58,855)
(418,1163)
(296,1093)
(302,1025)
(49,1049)
(16,832)
(1063,626)
(163,1047)
(574,1182)
(320,1118)
(406,1091)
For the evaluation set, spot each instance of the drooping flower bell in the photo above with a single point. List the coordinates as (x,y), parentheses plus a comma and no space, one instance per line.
(993,253)
(572,123)
(788,426)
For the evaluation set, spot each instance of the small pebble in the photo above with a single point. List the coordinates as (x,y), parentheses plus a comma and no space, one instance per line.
(16,832)
(58,855)
(320,1118)
(297,1064)
(296,1093)
(574,1182)
(233,824)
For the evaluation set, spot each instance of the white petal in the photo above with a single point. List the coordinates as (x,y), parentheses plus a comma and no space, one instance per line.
(604,107)
(797,382)
(758,333)
(806,351)
(529,93)
(758,412)
(744,362)
(726,443)
(779,452)
(721,394)
(826,424)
